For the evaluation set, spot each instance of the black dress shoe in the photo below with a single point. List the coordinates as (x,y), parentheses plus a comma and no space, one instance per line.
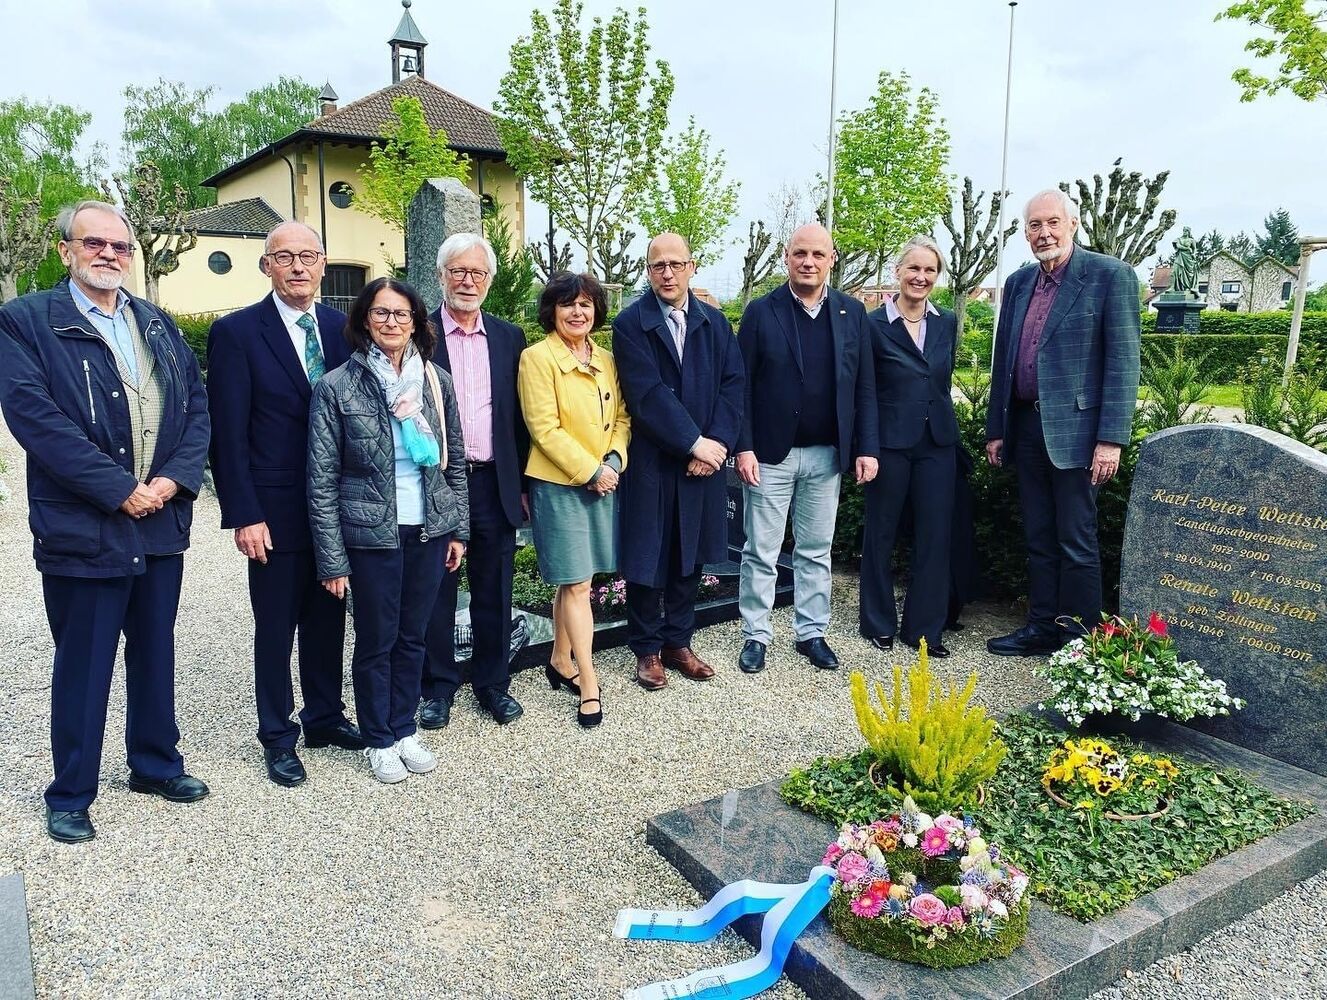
(884,643)
(344,734)
(70,827)
(818,652)
(752,660)
(435,713)
(1026,641)
(181,788)
(936,649)
(284,767)
(502,706)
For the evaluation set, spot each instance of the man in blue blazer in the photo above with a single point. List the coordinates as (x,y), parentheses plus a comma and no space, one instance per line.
(809,416)
(1064,386)
(482,353)
(262,362)
(682,376)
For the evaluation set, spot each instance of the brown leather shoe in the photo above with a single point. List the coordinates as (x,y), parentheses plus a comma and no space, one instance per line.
(650,672)
(691,666)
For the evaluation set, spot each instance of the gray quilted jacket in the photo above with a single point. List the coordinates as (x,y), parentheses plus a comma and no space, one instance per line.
(352,469)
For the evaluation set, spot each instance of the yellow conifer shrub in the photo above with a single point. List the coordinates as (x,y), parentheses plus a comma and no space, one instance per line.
(938,750)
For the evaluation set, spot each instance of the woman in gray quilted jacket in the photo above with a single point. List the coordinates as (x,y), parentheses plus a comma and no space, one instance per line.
(389,508)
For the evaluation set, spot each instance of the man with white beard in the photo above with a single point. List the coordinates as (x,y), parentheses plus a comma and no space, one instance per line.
(105,397)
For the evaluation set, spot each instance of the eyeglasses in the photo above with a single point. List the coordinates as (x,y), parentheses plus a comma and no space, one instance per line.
(477,274)
(284,258)
(380,314)
(95,245)
(676,266)
(1050,225)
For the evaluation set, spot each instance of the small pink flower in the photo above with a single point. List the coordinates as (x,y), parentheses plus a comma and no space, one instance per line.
(948,823)
(853,868)
(974,898)
(935,842)
(928,910)
(868,904)
(832,854)
(954,918)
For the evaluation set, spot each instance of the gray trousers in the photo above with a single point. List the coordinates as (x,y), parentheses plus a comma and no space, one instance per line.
(808,481)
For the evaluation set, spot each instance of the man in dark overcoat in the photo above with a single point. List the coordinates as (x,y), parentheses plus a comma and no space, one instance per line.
(682,377)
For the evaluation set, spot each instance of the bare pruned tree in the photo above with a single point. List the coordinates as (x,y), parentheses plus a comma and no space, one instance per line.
(25,237)
(974,247)
(1116,214)
(159,222)
(761,258)
(546,269)
(613,260)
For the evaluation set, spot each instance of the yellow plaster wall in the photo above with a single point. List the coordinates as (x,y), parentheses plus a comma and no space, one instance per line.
(193,288)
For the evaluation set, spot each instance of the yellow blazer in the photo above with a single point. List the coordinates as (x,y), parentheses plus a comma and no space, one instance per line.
(574,412)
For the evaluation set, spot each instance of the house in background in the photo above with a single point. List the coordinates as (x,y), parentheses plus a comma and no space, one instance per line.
(1226,282)
(310,176)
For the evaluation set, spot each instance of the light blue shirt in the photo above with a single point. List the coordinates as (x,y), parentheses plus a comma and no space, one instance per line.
(113,328)
(409,481)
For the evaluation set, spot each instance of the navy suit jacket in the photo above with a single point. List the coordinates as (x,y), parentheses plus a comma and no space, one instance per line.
(1087,361)
(913,386)
(259,398)
(773,398)
(673,402)
(511,440)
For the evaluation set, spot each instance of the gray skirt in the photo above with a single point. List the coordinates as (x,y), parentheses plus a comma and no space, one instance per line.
(575,531)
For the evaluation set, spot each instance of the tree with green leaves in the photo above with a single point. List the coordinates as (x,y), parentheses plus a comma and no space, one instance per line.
(1242,247)
(40,171)
(974,246)
(1279,238)
(691,196)
(583,116)
(409,154)
(1295,31)
(1316,300)
(156,215)
(890,176)
(1210,243)
(265,115)
(514,278)
(1116,215)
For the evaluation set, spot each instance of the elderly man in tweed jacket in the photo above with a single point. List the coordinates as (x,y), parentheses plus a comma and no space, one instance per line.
(1064,384)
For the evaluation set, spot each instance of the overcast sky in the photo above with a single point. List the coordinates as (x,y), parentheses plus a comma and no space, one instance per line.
(1142,79)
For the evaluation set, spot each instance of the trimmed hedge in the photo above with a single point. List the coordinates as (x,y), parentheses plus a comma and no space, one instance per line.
(194,328)
(1216,322)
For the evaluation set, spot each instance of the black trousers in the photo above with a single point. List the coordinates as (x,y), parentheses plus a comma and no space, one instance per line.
(920,478)
(288,599)
(395,590)
(659,617)
(1060,526)
(489,563)
(86,617)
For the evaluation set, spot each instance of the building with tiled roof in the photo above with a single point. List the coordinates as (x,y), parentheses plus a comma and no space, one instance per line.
(310,176)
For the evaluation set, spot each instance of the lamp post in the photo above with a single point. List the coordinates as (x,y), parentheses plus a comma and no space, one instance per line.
(833,114)
(1004,169)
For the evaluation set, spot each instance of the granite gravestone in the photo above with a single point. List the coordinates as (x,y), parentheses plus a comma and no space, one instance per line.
(1227,539)
(15,942)
(441,208)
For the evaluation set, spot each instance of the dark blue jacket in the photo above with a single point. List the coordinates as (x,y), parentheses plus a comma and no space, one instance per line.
(259,396)
(913,386)
(671,404)
(65,404)
(511,441)
(773,354)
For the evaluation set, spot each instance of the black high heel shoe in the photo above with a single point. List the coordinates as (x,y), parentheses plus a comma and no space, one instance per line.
(589,720)
(556,680)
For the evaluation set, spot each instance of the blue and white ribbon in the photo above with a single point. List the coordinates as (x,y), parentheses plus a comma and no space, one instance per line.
(789,909)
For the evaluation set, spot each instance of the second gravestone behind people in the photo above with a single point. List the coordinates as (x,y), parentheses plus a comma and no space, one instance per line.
(1227,539)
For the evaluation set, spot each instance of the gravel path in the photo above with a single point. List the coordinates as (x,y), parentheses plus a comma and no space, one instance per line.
(498,875)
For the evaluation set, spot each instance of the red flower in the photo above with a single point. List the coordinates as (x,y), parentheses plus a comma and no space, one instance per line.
(1156,625)
(1108,629)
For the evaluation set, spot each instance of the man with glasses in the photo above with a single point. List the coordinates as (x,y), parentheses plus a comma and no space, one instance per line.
(106,398)
(682,376)
(482,353)
(262,362)
(1064,385)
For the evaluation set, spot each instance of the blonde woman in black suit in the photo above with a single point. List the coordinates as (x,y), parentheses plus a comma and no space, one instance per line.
(913,343)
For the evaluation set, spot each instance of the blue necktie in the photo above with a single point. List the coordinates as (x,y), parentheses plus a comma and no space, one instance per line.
(313,351)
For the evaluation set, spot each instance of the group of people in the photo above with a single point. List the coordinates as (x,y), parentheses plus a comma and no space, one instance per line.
(377,452)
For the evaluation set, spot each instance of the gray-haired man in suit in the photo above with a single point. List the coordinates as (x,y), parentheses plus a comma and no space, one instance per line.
(1064,385)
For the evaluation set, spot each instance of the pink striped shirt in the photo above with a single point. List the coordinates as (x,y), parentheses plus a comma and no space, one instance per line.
(472,380)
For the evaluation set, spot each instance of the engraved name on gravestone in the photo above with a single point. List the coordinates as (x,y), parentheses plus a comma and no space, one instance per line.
(1227,539)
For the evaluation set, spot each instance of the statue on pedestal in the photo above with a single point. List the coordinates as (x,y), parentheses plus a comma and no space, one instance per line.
(1184,265)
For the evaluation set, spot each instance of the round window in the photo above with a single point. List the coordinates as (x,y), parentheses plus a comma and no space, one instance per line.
(340,194)
(218,262)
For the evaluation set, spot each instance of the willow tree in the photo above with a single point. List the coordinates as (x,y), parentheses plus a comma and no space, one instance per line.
(583,115)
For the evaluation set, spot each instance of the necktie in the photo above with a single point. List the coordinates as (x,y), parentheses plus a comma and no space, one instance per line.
(313,351)
(679,322)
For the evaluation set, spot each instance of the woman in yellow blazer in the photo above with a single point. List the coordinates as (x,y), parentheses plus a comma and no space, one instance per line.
(579,430)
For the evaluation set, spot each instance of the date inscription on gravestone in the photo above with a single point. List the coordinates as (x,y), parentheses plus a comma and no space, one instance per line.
(1227,539)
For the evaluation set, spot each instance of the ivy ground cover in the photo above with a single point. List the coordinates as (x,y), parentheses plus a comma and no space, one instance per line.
(1082,866)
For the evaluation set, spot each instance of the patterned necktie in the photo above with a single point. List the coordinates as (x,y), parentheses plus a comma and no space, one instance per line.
(313,351)
(679,322)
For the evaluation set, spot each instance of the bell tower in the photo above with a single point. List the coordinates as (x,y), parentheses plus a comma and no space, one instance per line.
(407,47)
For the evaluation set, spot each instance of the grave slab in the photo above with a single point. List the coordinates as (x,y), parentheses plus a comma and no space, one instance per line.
(15,944)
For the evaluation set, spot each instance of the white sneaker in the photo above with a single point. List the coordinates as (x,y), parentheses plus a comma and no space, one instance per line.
(386,764)
(415,755)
